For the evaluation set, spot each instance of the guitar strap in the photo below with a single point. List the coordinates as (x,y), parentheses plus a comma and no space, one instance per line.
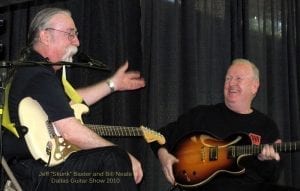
(6,122)
(5,114)
(70,91)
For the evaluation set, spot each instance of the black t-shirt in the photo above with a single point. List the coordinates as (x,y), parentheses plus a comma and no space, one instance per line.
(41,84)
(220,122)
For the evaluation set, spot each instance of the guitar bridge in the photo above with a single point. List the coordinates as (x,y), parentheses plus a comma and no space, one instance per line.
(49,148)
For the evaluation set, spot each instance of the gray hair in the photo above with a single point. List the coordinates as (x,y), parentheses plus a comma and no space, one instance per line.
(245,61)
(40,22)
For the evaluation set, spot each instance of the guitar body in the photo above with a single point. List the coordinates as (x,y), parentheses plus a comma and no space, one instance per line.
(202,156)
(50,146)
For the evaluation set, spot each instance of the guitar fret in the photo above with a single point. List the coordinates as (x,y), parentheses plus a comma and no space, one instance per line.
(126,132)
(115,131)
(256,149)
(107,132)
(129,132)
(137,132)
(284,147)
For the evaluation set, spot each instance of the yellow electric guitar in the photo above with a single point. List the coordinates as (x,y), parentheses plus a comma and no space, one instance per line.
(46,144)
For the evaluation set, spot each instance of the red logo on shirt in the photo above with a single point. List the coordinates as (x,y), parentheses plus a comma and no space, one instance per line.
(255,139)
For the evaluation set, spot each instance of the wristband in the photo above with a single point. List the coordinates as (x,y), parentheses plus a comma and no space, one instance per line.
(111,85)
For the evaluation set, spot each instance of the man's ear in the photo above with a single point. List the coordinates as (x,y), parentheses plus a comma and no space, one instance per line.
(44,37)
(255,86)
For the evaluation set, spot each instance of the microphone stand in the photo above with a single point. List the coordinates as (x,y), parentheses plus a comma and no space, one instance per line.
(10,175)
(4,164)
(89,64)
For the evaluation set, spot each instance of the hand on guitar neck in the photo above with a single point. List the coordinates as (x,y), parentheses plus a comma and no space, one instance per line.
(268,153)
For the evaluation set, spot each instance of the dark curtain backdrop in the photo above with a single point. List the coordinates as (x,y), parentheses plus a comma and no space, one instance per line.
(187,46)
(182,49)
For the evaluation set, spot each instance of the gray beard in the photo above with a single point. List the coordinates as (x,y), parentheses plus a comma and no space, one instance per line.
(70,52)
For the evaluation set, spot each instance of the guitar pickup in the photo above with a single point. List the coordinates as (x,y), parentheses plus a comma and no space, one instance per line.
(213,153)
(231,153)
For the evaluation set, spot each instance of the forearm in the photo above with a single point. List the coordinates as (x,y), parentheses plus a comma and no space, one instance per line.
(161,152)
(77,134)
(94,93)
(122,80)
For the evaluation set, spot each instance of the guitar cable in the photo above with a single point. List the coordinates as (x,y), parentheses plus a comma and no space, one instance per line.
(48,150)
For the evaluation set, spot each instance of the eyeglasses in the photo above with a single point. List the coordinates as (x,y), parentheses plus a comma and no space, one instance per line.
(71,35)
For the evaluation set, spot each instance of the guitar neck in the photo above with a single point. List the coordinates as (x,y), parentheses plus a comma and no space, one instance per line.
(256,149)
(116,131)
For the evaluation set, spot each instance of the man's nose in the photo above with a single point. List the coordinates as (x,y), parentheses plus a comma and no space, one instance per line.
(75,41)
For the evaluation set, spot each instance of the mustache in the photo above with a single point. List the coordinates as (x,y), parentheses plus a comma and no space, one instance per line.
(70,52)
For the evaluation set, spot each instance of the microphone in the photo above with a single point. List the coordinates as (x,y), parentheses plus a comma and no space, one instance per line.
(81,59)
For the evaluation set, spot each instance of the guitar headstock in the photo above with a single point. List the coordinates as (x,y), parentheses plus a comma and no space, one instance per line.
(151,136)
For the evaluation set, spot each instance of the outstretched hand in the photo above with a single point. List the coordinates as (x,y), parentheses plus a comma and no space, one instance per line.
(127,80)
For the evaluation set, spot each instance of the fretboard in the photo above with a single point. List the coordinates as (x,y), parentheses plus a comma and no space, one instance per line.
(256,149)
(116,131)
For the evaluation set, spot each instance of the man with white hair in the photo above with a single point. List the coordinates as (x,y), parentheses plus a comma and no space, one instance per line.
(199,147)
(53,38)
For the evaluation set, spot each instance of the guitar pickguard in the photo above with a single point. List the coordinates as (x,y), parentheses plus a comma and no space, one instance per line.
(63,149)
